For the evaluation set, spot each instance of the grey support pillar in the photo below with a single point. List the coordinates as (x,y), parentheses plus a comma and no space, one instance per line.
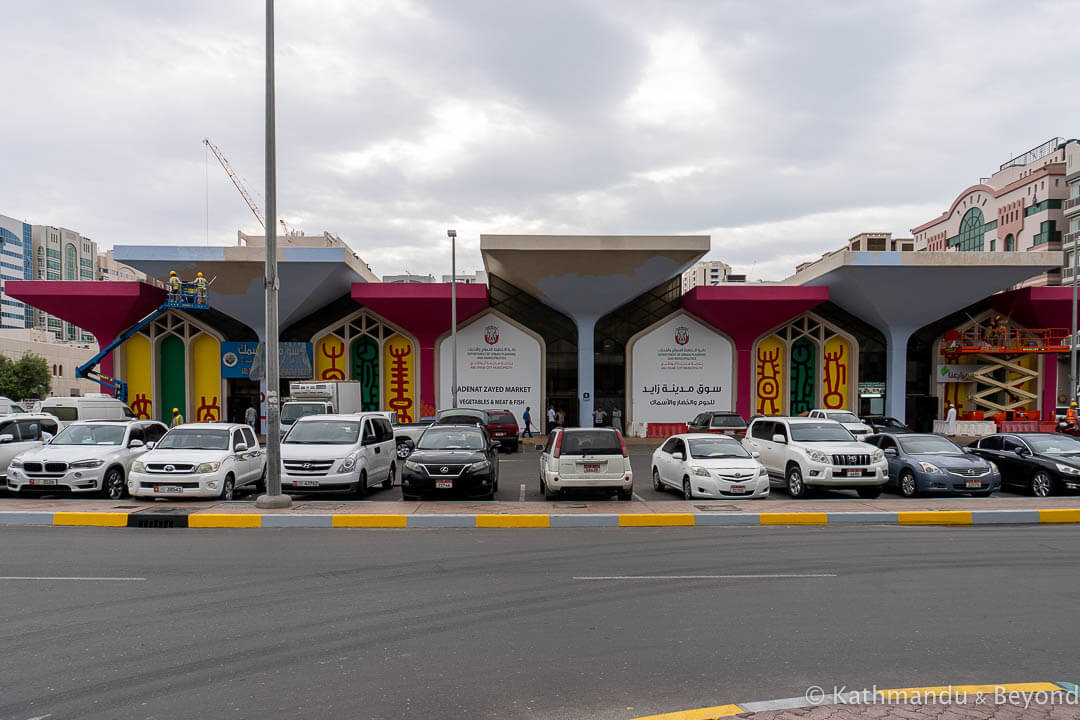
(586,360)
(896,339)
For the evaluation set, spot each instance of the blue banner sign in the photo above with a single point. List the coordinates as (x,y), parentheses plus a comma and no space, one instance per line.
(237,359)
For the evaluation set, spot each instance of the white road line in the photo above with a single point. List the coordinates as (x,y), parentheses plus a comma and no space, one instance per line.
(88,579)
(638,498)
(702,577)
(521,495)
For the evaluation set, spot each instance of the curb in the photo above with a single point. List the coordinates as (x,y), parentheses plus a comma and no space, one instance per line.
(990,695)
(184,519)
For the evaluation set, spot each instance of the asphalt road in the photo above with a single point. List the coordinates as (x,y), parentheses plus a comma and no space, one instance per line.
(449,624)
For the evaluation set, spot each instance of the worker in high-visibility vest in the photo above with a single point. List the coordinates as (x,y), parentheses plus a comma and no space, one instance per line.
(1070,414)
(174,286)
(200,289)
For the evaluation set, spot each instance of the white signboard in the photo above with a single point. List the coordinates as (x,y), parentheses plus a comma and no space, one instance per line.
(956,373)
(678,370)
(498,369)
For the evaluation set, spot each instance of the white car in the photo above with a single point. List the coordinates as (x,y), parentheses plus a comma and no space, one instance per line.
(805,452)
(586,458)
(200,460)
(338,453)
(21,432)
(86,457)
(704,465)
(854,425)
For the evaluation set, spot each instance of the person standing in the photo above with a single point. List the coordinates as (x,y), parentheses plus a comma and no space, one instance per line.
(950,421)
(560,418)
(177,418)
(616,418)
(200,289)
(251,416)
(174,286)
(550,418)
(599,416)
(526,418)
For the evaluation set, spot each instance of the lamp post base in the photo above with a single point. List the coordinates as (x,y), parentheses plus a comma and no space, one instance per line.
(273,502)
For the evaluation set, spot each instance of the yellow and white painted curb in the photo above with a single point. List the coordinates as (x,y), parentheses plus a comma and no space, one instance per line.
(167,518)
(989,696)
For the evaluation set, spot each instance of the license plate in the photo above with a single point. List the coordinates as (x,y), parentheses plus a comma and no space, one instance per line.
(974,484)
(42,482)
(592,467)
(854,473)
(307,483)
(444,484)
(737,489)
(168,489)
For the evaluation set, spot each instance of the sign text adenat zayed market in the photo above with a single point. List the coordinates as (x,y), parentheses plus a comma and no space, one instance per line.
(498,368)
(680,369)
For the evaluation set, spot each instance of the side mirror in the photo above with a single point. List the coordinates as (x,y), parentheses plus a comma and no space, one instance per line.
(967,451)
(493,445)
(240,447)
(891,452)
(539,448)
(779,439)
(5,438)
(677,456)
(1023,451)
(136,443)
(755,454)
(150,445)
(368,440)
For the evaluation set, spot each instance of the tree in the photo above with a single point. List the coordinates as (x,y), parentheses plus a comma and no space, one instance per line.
(27,378)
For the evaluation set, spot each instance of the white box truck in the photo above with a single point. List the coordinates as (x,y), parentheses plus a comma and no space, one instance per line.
(320,398)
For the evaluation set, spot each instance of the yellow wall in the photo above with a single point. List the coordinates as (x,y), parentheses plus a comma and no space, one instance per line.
(205,359)
(399,377)
(769,368)
(139,375)
(836,374)
(331,363)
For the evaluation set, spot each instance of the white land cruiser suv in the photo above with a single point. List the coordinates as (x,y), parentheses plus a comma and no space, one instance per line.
(338,453)
(846,418)
(200,460)
(807,452)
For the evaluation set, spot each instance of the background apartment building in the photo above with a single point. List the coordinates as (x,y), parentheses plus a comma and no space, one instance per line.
(1071,209)
(15,264)
(1017,209)
(62,254)
(706,272)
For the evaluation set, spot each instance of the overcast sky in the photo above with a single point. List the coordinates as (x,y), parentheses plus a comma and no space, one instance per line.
(778,128)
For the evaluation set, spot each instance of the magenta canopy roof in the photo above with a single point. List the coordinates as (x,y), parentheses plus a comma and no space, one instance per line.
(1036,307)
(747,312)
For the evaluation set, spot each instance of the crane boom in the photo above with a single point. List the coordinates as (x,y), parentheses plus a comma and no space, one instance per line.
(236,181)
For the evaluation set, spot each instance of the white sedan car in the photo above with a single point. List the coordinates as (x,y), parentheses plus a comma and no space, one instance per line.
(708,466)
(199,460)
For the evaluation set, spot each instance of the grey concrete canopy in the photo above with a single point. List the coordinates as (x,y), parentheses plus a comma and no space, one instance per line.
(900,292)
(586,277)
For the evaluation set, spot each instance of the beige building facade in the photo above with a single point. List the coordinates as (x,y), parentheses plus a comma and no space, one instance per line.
(61,357)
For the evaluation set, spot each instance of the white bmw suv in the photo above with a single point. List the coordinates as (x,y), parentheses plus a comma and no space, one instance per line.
(200,460)
(808,452)
(86,457)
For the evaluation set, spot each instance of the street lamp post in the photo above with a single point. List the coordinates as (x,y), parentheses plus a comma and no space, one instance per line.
(452,234)
(273,497)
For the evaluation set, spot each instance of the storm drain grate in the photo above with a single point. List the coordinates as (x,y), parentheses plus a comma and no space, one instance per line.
(158,519)
(718,508)
(571,505)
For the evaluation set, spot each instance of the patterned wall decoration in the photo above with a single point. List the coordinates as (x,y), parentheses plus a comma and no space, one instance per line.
(770,376)
(364,362)
(835,373)
(330,358)
(803,376)
(400,361)
(139,373)
(206,378)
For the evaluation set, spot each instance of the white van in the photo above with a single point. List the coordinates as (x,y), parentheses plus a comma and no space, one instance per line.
(93,406)
(9,407)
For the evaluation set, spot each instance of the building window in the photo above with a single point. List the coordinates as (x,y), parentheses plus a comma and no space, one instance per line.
(993,244)
(1048,232)
(71,261)
(1010,243)
(971,233)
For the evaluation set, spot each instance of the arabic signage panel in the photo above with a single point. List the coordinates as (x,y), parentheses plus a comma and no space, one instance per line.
(237,359)
(498,368)
(956,373)
(679,369)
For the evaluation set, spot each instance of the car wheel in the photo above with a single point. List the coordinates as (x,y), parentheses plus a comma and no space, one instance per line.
(795,486)
(687,490)
(657,484)
(113,487)
(1041,484)
(547,492)
(361,484)
(389,481)
(907,485)
(869,493)
(625,495)
(403,450)
(228,488)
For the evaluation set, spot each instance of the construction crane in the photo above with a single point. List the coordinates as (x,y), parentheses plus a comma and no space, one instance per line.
(244,193)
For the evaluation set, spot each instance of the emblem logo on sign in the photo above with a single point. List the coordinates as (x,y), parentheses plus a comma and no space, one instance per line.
(491,334)
(170,468)
(682,335)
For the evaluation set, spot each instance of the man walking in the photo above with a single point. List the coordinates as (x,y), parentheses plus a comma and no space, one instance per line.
(551,418)
(251,416)
(950,421)
(527,419)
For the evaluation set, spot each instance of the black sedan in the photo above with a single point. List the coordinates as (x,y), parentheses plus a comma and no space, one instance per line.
(1038,463)
(886,424)
(452,460)
(927,463)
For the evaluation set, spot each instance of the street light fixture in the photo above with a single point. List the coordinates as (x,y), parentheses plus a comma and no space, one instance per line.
(452,234)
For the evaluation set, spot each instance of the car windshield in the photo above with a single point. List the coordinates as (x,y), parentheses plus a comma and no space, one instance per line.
(442,438)
(91,435)
(892,422)
(820,432)
(1054,444)
(716,448)
(843,417)
(502,418)
(929,446)
(324,432)
(194,439)
(590,442)
(727,421)
(294,411)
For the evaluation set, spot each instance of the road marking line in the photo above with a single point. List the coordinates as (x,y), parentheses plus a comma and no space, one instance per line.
(372,520)
(656,519)
(97,579)
(638,498)
(934,517)
(512,521)
(521,495)
(703,577)
(794,518)
(91,519)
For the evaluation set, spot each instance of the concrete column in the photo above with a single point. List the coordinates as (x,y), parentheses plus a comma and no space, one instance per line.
(586,360)
(744,377)
(896,340)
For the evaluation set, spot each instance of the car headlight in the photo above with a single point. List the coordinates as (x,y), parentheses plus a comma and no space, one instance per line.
(700,471)
(929,467)
(86,463)
(414,466)
(994,468)
(481,465)
(15,464)
(762,471)
(878,455)
(348,463)
(1067,469)
(817,456)
(208,467)
(138,466)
